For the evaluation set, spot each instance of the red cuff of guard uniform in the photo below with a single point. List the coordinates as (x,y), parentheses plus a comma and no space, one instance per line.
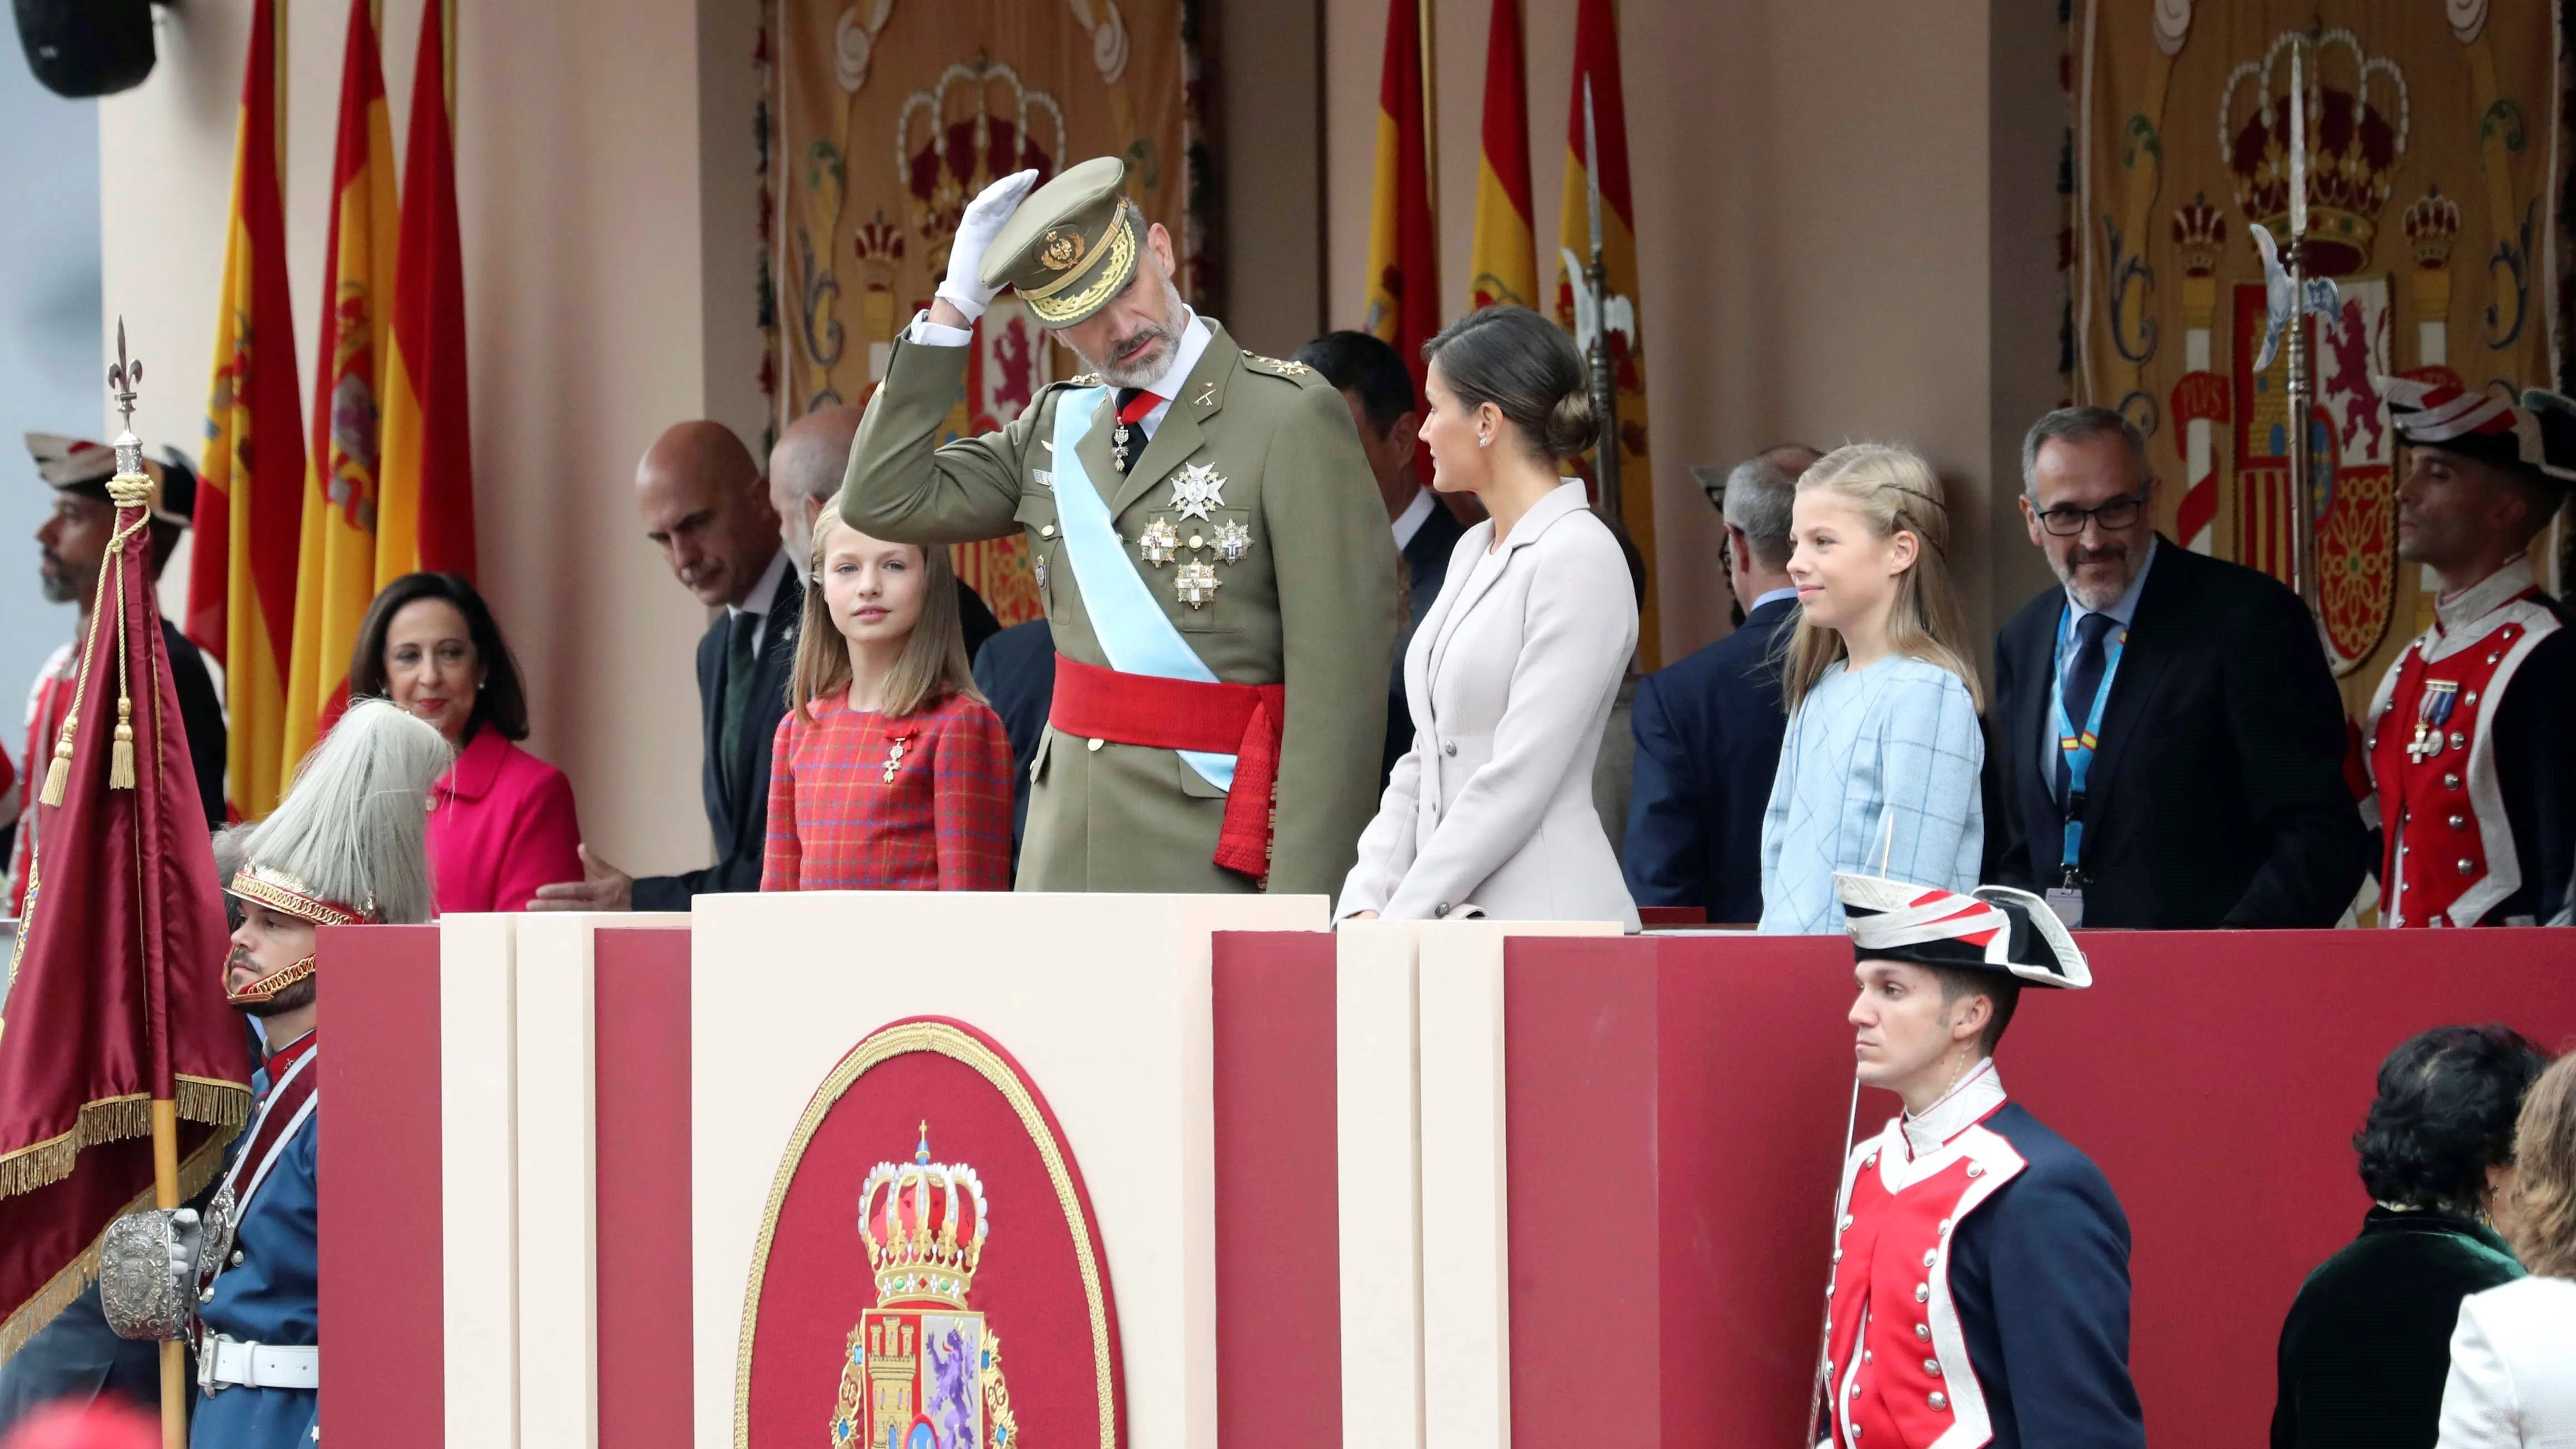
(1242,720)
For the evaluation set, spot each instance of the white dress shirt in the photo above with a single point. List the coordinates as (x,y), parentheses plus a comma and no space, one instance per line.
(756,603)
(1415,514)
(2125,610)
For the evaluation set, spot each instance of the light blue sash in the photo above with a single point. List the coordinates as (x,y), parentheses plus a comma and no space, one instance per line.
(1133,630)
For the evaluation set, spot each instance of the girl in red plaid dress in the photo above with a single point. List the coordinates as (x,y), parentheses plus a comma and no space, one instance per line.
(889,772)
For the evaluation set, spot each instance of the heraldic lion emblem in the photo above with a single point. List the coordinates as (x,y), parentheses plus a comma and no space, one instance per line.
(922,1371)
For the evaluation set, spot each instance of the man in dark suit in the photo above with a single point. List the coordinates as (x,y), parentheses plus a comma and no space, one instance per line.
(1016,671)
(1373,381)
(1708,727)
(2172,745)
(704,504)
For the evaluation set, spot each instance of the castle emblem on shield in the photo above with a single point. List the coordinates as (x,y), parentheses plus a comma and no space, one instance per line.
(922,1371)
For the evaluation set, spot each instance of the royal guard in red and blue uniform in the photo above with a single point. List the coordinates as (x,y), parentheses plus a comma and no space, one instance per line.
(346,846)
(2468,740)
(1981,1263)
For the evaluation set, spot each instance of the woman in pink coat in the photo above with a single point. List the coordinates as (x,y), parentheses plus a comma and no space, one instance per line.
(501,822)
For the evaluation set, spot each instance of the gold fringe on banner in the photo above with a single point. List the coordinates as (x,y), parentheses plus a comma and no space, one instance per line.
(30,1318)
(222,1105)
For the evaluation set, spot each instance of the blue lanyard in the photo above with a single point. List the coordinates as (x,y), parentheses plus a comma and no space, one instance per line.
(2078,749)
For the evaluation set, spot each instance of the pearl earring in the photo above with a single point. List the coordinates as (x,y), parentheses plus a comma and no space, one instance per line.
(1484,440)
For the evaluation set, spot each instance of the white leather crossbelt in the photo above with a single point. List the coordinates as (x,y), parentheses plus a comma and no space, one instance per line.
(224,1363)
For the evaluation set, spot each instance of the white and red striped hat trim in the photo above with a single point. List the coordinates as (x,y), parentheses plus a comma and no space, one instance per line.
(2439,412)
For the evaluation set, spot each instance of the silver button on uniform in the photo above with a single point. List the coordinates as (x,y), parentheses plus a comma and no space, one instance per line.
(1448,747)
(1922,1292)
(1932,1366)
(1937,1399)
(1923,1331)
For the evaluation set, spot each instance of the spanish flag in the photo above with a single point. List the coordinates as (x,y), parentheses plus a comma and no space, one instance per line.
(336,570)
(426,520)
(1596,70)
(241,581)
(1404,236)
(1502,257)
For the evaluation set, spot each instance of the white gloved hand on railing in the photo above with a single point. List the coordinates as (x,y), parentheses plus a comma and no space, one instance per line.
(963,288)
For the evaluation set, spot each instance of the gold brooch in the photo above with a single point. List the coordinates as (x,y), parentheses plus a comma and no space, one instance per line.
(1159,541)
(1196,583)
(1062,250)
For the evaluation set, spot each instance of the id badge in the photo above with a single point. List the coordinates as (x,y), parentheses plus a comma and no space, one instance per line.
(2067,904)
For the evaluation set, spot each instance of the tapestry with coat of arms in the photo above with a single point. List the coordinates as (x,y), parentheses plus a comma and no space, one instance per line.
(2435,153)
(890,116)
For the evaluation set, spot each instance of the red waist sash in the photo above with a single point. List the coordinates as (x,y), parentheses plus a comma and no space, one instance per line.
(1242,720)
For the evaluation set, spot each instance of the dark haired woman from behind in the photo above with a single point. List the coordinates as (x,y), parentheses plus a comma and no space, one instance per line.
(2366,1347)
(501,822)
(1511,673)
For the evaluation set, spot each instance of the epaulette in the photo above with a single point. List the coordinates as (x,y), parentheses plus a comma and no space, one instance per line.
(1277,367)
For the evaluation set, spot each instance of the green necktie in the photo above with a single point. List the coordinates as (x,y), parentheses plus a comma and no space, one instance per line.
(740,665)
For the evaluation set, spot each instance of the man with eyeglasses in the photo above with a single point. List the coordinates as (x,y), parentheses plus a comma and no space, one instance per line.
(2172,744)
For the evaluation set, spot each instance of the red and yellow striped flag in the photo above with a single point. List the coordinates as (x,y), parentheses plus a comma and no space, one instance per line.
(426,520)
(1404,235)
(1502,256)
(1596,63)
(336,571)
(241,578)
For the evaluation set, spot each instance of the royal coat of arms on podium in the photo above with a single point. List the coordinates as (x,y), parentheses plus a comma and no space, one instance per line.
(886,1332)
(924,1371)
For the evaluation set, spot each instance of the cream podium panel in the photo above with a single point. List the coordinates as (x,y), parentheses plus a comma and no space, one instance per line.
(1104,1001)
(519,1244)
(1426,1325)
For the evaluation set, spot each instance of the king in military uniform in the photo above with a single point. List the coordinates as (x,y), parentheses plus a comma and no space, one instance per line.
(2473,787)
(1206,537)
(1980,1288)
(346,845)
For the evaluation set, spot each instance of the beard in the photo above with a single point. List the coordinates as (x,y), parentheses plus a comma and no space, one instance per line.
(2102,595)
(293,998)
(54,579)
(1144,366)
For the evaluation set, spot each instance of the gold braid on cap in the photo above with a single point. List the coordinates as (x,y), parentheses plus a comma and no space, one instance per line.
(1110,267)
(280,891)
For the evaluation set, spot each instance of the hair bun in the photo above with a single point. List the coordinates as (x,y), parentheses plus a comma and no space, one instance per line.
(1572,426)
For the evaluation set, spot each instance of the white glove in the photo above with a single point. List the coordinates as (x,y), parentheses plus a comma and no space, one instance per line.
(187,1240)
(964,285)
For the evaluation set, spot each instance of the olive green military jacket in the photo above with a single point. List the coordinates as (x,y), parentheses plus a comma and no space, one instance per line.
(1311,603)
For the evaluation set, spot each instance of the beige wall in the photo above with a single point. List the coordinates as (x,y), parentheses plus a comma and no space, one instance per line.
(608,294)
(1816,222)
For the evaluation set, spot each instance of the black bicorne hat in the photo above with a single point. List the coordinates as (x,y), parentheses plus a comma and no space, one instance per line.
(1995,929)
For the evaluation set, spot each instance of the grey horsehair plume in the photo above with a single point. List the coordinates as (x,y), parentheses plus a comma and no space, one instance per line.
(354,824)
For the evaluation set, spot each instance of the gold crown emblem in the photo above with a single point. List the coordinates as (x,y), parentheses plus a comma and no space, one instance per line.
(924,1225)
(2432,224)
(2354,138)
(2200,231)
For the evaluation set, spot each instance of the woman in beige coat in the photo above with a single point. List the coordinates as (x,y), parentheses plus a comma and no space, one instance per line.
(1513,671)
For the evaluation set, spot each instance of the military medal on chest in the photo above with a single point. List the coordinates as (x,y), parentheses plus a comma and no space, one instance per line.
(2432,712)
(1198,490)
(1196,583)
(894,755)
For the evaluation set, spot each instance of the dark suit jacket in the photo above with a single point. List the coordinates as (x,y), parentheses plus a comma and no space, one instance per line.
(1708,733)
(1016,672)
(739,819)
(1426,568)
(201,714)
(2218,797)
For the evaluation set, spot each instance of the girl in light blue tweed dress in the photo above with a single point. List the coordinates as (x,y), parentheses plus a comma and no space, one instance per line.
(1879,770)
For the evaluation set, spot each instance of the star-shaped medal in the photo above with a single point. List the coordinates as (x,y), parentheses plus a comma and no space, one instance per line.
(1158,542)
(1196,583)
(1233,541)
(1197,490)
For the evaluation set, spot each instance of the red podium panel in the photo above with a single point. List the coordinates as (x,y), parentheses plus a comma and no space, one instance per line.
(1676,1105)
(1278,1258)
(381,1289)
(640,1064)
